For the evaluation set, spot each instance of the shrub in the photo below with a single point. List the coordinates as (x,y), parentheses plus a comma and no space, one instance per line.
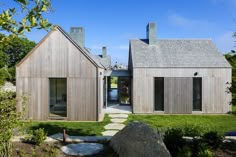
(192,131)
(185,152)
(212,139)
(173,140)
(197,146)
(10,119)
(204,153)
(37,136)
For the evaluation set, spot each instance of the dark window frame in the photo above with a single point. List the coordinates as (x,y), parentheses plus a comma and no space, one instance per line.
(49,95)
(156,100)
(197,102)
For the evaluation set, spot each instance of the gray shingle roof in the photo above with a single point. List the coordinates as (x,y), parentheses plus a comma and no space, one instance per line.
(176,53)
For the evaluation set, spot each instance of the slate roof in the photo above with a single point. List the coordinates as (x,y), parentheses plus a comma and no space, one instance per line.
(176,53)
(106,62)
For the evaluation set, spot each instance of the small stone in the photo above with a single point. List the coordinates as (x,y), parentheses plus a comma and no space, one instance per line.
(118,115)
(82,149)
(118,120)
(109,133)
(114,126)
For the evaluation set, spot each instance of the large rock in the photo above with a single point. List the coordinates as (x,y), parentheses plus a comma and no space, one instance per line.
(139,140)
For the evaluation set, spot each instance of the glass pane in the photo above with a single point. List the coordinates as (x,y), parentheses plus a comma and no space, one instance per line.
(58,105)
(159,94)
(197,94)
(124,90)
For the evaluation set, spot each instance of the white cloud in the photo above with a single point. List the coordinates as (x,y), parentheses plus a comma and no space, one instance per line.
(225,42)
(181,21)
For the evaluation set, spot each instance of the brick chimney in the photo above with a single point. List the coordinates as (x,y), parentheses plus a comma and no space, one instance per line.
(77,34)
(151,33)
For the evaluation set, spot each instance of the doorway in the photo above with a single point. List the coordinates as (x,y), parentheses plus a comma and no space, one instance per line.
(57,97)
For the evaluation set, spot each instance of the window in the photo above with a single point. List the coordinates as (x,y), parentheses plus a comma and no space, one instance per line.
(197,94)
(57,97)
(159,94)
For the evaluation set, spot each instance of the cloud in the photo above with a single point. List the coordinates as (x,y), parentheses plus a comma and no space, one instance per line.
(181,21)
(225,42)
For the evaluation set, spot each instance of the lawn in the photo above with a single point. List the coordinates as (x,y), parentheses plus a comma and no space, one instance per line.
(219,123)
(72,128)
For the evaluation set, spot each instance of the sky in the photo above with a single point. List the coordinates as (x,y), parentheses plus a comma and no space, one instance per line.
(113,23)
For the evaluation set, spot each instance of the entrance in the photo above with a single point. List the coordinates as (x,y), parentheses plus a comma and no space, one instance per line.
(117,88)
(57,97)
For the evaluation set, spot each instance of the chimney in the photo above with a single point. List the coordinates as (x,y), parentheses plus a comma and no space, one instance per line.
(151,33)
(104,52)
(77,34)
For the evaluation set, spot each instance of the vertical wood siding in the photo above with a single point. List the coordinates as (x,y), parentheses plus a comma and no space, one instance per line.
(57,57)
(215,99)
(178,93)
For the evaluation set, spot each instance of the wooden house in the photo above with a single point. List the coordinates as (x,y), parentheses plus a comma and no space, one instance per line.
(61,78)
(178,76)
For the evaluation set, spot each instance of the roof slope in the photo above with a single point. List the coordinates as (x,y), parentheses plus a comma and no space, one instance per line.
(176,53)
(82,49)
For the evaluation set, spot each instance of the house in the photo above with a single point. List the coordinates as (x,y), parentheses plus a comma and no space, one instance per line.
(62,79)
(178,76)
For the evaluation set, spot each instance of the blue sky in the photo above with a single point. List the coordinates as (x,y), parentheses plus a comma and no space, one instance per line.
(112,23)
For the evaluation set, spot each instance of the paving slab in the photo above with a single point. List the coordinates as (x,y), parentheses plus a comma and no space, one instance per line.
(114,126)
(118,120)
(82,149)
(118,115)
(109,132)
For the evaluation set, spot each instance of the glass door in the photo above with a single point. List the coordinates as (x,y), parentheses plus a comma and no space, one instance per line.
(57,97)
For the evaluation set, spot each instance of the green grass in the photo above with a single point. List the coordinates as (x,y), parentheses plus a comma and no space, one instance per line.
(113,85)
(72,128)
(219,123)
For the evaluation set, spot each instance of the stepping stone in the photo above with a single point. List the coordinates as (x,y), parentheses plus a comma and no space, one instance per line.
(109,132)
(118,120)
(114,126)
(118,115)
(82,149)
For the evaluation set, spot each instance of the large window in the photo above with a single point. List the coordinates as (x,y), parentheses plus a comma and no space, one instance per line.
(57,95)
(197,94)
(159,94)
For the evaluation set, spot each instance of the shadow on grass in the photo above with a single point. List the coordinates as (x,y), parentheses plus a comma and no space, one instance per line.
(54,128)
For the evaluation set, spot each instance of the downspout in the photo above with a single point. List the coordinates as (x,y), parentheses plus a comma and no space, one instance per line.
(97,95)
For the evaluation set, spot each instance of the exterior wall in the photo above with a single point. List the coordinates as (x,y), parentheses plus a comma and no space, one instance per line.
(215,99)
(57,57)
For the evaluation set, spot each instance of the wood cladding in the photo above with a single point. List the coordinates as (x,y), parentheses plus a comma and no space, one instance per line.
(178,93)
(57,57)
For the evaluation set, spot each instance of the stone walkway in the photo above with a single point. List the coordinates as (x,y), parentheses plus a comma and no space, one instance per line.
(117,120)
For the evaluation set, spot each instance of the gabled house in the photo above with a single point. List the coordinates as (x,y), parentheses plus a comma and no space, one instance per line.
(64,80)
(178,76)
(61,78)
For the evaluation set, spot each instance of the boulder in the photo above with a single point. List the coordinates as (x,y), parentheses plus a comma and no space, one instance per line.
(138,140)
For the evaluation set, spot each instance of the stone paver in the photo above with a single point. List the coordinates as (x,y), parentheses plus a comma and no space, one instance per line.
(118,120)
(109,132)
(114,126)
(82,149)
(118,115)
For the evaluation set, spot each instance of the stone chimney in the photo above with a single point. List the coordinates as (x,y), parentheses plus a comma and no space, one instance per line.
(151,33)
(104,52)
(77,34)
